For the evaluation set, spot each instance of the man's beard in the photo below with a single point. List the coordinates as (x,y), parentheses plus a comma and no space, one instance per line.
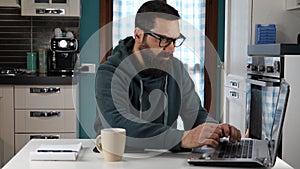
(154,63)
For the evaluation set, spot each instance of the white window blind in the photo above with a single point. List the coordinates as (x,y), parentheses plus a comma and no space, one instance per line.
(192,25)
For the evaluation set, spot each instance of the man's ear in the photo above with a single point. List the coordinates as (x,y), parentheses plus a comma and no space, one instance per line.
(138,35)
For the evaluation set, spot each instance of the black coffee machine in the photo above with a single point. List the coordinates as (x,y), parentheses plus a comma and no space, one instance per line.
(63,56)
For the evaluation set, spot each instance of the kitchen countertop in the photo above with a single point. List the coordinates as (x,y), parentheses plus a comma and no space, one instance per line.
(88,159)
(37,79)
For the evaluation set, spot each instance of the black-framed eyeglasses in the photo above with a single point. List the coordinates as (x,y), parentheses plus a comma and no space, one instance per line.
(166,41)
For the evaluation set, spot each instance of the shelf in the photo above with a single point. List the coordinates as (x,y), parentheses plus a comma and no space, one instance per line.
(276,49)
(292,4)
(293,8)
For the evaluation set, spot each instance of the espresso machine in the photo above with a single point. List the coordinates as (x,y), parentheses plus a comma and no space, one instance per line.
(63,55)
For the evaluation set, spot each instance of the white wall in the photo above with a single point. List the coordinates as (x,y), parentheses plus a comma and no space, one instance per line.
(237,36)
(273,11)
(291,137)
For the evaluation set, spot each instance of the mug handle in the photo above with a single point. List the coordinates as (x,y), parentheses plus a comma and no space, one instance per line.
(98,144)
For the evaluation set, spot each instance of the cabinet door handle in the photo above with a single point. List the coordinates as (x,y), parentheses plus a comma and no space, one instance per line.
(44,114)
(264,82)
(234,83)
(45,90)
(234,94)
(44,137)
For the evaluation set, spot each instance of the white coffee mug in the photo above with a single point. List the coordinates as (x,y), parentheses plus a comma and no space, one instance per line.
(111,143)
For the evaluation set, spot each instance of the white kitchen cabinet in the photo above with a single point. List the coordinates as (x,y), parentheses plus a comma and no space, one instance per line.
(10,3)
(20,139)
(237,37)
(44,112)
(235,101)
(45,97)
(6,123)
(41,120)
(290,141)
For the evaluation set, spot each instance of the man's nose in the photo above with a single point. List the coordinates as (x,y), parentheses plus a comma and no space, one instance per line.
(170,48)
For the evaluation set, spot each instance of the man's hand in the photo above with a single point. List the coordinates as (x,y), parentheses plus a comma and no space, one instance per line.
(209,134)
(230,131)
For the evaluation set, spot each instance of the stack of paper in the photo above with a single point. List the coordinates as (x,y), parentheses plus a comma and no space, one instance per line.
(56,152)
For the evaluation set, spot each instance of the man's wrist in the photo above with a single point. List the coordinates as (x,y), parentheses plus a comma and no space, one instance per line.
(184,139)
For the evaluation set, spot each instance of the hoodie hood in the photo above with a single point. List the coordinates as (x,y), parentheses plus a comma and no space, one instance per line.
(124,60)
(120,53)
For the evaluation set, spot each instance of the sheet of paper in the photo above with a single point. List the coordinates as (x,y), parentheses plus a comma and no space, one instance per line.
(60,147)
(61,152)
(53,156)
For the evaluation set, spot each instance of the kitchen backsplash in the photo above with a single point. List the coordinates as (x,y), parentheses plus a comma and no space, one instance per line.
(21,34)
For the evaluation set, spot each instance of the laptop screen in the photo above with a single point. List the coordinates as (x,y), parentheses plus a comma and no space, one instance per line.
(278,119)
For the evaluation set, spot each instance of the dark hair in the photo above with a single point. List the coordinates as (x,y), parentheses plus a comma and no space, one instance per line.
(149,11)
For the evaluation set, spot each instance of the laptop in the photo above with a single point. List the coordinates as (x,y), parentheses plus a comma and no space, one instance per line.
(248,152)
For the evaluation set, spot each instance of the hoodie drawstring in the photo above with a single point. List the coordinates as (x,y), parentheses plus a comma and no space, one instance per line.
(166,102)
(141,99)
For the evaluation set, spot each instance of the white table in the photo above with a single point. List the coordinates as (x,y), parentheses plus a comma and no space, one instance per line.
(87,159)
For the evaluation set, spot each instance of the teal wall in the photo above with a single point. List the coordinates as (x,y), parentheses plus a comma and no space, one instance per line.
(221,33)
(221,28)
(89,45)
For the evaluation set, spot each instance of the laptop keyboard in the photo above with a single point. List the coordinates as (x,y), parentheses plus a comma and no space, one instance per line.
(242,149)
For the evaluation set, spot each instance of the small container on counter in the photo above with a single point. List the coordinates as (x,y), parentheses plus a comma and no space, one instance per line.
(31,62)
(42,61)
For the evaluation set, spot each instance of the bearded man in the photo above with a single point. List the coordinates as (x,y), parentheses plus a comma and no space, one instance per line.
(143,88)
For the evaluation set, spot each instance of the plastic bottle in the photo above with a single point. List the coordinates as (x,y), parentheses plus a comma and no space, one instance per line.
(31,62)
(42,61)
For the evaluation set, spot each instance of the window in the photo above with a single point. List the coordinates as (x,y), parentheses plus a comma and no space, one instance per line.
(123,18)
(193,16)
(209,24)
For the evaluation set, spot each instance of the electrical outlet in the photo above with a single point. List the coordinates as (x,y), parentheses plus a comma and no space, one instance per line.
(88,68)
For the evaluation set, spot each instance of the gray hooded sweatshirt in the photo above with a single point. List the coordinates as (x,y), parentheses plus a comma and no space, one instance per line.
(146,106)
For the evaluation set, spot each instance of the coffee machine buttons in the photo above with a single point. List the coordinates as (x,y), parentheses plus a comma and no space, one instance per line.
(62,43)
(71,44)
